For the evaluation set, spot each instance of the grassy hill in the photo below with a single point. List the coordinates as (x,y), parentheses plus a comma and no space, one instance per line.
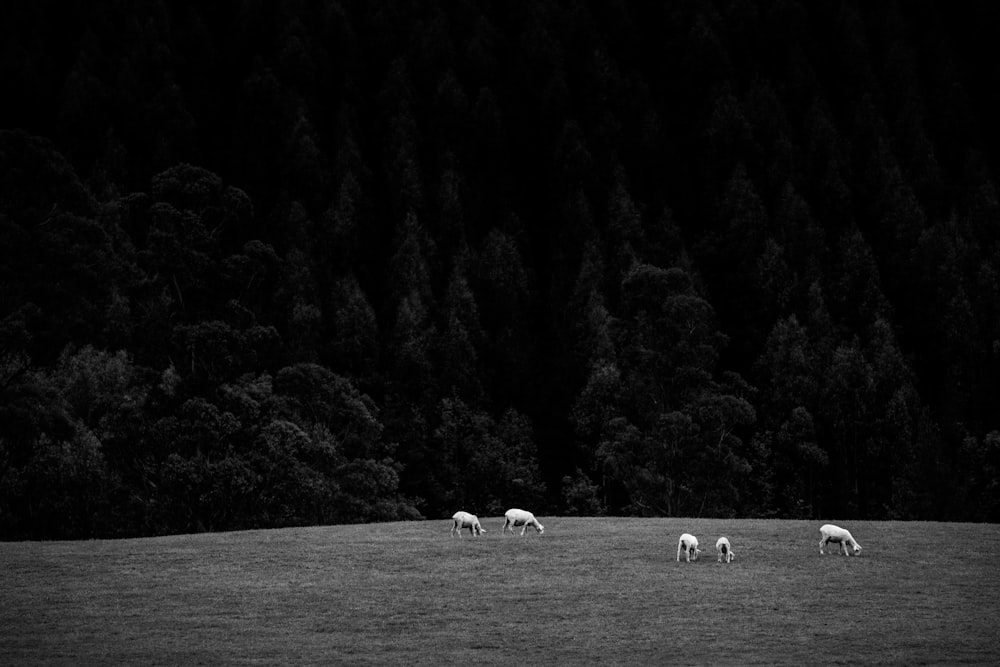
(591,590)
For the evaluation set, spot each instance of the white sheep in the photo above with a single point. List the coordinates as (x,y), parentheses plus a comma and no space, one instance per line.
(463,520)
(689,545)
(725,551)
(515,517)
(839,535)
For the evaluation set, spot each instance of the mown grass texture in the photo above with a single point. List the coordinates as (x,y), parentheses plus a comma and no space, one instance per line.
(588,591)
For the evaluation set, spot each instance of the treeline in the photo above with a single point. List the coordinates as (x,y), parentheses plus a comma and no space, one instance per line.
(269,264)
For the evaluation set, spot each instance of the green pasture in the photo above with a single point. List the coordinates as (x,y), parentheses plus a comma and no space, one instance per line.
(588,591)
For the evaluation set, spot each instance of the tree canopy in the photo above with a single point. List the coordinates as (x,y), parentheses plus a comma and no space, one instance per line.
(268,264)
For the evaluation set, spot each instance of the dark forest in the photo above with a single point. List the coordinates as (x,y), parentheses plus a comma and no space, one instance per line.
(284,263)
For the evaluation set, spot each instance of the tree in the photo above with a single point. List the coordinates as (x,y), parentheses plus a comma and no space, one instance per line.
(982,458)
(215,351)
(69,488)
(800,464)
(705,61)
(351,330)
(594,331)
(461,333)
(738,239)
(183,232)
(856,291)
(451,234)
(797,230)
(60,262)
(450,116)
(487,465)
(504,293)
(728,138)
(369,491)
(625,229)
(787,371)
(580,495)
(410,265)
(291,491)
(224,226)
(399,132)
(69,469)
(257,131)
(312,394)
(895,428)
(671,341)
(672,435)
(771,130)
(827,169)
(340,228)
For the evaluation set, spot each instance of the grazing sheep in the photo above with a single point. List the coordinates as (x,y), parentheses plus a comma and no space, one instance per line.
(689,545)
(463,520)
(725,551)
(515,517)
(839,535)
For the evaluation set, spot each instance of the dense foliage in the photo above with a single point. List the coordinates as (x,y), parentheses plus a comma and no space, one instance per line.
(272,263)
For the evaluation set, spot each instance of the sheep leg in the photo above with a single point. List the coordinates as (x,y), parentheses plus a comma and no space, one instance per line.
(822,543)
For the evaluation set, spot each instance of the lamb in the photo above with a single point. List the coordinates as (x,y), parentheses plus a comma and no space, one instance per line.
(839,535)
(723,548)
(689,545)
(463,520)
(515,517)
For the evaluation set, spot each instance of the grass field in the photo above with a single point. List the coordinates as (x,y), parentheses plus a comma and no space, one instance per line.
(589,591)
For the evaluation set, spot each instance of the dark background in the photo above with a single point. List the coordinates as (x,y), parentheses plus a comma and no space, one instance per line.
(277,263)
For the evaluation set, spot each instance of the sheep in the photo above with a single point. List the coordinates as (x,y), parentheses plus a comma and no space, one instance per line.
(463,520)
(689,545)
(723,548)
(839,535)
(515,517)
